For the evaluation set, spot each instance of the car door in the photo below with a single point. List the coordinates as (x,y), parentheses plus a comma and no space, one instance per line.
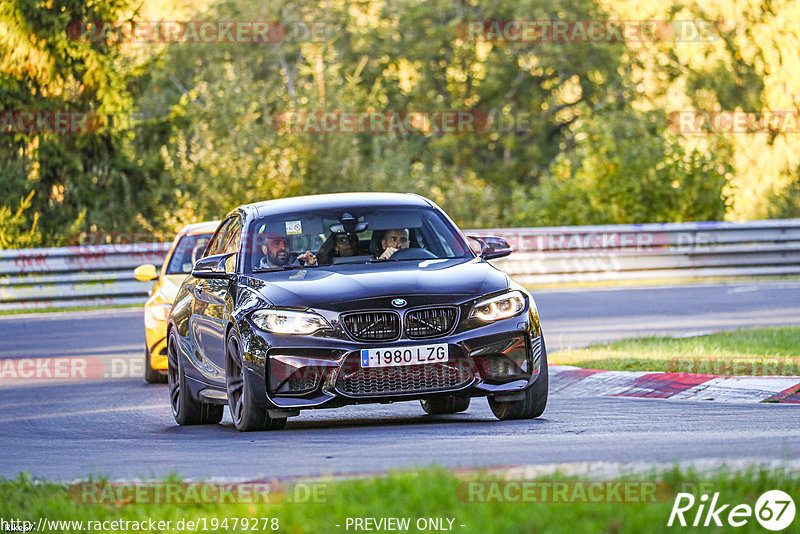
(199,324)
(211,310)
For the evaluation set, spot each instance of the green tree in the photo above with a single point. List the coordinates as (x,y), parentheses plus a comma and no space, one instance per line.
(627,169)
(15,230)
(81,180)
(578,134)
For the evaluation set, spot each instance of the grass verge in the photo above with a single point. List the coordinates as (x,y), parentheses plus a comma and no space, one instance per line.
(431,493)
(749,352)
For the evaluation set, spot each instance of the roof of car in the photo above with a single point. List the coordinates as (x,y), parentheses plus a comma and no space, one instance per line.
(336,201)
(205,227)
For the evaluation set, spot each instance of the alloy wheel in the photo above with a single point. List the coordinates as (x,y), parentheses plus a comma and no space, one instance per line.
(173,376)
(234,380)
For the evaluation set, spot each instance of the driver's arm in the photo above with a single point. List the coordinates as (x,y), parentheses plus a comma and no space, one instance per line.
(308,258)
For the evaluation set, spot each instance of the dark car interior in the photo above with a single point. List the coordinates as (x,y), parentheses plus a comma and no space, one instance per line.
(429,237)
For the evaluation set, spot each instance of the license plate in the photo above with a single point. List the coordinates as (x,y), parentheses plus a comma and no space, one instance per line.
(393,356)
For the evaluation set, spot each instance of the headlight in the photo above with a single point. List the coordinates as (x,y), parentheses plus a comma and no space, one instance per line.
(159,312)
(499,307)
(289,322)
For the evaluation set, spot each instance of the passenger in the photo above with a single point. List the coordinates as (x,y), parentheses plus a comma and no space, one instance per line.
(276,255)
(394,240)
(346,245)
(338,245)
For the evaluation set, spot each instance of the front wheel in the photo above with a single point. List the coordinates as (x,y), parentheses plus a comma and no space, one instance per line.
(247,415)
(445,405)
(185,409)
(530,407)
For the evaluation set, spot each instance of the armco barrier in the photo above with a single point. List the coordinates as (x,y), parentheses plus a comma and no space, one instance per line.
(103,275)
(95,275)
(651,251)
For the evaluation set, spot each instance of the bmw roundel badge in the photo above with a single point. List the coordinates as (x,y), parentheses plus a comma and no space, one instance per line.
(399,303)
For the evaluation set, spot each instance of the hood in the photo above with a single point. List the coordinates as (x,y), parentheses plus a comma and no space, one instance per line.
(344,286)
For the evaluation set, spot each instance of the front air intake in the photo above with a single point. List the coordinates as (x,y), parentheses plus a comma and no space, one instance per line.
(372,326)
(430,322)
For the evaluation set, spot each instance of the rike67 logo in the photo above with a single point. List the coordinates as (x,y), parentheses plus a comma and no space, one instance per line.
(774,510)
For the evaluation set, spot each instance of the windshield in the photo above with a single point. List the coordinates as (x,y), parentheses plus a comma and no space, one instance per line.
(358,235)
(189,249)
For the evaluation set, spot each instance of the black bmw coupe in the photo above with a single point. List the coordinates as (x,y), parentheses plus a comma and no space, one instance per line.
(323,301)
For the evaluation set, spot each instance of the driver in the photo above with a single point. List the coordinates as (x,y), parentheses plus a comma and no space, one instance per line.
(276,255)
(394,240)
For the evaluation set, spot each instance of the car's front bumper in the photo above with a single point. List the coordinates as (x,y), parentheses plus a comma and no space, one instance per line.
(296,372)
(156,339)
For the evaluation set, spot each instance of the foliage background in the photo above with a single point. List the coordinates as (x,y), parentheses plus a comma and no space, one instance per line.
(192,133)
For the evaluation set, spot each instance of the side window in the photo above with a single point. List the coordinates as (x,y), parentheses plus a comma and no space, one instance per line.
(230,242)
(214,245)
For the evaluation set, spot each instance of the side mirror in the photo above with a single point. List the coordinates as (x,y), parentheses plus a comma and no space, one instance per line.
(492,247)
(215,266)
(146,272)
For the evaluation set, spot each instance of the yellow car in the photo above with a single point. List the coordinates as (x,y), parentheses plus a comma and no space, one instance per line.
(187,247)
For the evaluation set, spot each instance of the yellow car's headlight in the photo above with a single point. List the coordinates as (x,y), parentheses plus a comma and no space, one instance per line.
(499,307)
(289,322)
(159,312)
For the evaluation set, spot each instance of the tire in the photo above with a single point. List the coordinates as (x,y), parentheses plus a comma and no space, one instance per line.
(534,403)
(185,409)
(247,415)
(444,405)
(152,376)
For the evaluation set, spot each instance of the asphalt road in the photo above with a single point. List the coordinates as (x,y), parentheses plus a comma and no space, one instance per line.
(580,317)
(120,427)
(123,428)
